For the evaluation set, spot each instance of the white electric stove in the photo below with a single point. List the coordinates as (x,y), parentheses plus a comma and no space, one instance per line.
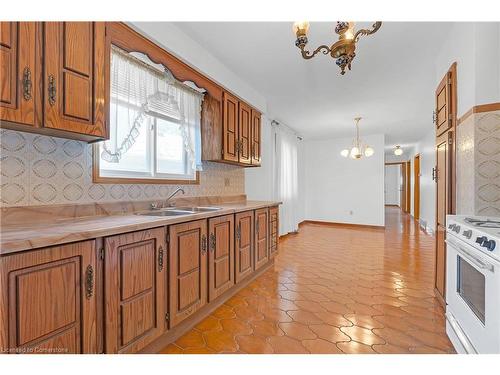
(473,283)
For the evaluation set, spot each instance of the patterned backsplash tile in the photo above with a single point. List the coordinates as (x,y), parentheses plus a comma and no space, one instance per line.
(478,150)
(41,170)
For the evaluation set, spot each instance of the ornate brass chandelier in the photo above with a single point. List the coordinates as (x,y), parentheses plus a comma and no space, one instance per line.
(343,51)
(358,148)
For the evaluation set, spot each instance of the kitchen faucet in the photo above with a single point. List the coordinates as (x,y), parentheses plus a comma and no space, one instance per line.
(157,206)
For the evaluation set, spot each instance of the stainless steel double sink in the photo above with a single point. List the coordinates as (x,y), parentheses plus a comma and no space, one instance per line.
(178,211)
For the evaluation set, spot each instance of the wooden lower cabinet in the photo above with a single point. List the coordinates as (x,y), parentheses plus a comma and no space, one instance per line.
(220,255)
(261,237)
(273,231)
(243,244)
(135,289)
(188,269)
(47,300)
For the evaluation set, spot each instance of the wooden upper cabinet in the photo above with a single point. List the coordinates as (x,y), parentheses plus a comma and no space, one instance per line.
(211,128)
(47,300)
(135,289)
(445,112)
(256,138)
(188,269)
(245,134)
(74,83)
(261,237)
(220,255)
(19,72)
(244,240)
(230,128)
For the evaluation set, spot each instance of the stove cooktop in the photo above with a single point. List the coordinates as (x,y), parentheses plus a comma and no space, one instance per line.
(483,223)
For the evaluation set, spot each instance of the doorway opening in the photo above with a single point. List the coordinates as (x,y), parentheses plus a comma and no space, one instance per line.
(397,185)
(416,188)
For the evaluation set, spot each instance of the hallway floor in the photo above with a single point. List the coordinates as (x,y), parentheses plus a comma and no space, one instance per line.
(334,290)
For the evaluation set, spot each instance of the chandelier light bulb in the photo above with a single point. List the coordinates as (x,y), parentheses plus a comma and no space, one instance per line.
(369,151)
(355,154)
(300,27)
(398,151)
(344,153)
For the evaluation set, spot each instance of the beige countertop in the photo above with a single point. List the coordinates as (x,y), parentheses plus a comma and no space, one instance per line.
(19,237)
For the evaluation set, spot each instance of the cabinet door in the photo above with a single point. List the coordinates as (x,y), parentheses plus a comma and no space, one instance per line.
(244,240)
(188,269)
(261,237)
(273,231)
(19,72)
(445,112)
(443,178)
(245,133)
(230,128)
(221,255)
(135,279)
(256,142)
(47,300)
(74,77)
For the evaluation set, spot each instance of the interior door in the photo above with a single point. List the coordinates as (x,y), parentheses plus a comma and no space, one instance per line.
(403,187)
(19,72)
(135,282)
(220,255)
(74,77)
(443,116)
(245,133)
(230,128)
(261,237)
(188,269)
(48,300)
(256,138)
(244,240)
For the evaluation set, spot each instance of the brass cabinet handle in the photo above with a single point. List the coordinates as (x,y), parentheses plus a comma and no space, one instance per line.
(238,232)
(434,117)
(52,90)
(203,244)
(213,240)
(89,282)
(27,83)
(160,259)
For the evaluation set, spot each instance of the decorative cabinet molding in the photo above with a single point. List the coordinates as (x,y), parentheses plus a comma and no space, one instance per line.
(135,288)
(62,62)
(47,300)
(220,255)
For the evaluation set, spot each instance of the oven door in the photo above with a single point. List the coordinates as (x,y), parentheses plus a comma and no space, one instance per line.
(473,295)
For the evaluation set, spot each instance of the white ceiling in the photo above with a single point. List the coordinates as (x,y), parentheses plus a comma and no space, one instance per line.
(391,84)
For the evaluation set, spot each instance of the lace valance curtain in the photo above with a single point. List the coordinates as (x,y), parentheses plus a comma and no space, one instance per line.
(146,91)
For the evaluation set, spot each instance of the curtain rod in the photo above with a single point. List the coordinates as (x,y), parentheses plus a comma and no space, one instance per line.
(299,137)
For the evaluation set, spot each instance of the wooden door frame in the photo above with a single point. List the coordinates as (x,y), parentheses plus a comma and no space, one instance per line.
(416,187)
(406,188)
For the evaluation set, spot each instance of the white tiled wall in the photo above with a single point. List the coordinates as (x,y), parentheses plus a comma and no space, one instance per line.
(40,170)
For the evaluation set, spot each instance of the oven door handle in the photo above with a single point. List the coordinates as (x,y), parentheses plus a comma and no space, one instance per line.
(478,262)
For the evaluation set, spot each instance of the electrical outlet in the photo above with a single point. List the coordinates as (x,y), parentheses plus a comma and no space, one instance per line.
(227,181)
(350,212)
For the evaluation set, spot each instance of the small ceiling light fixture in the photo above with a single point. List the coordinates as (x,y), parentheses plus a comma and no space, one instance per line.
(343,51)
(358,148)
(398,151)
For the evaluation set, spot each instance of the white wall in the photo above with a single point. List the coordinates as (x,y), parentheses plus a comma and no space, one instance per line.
(343,190)
(175,41)
(426,148)
(392,183)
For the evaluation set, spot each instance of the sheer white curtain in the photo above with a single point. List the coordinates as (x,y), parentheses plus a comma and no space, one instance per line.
(286,178)
(147,89)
